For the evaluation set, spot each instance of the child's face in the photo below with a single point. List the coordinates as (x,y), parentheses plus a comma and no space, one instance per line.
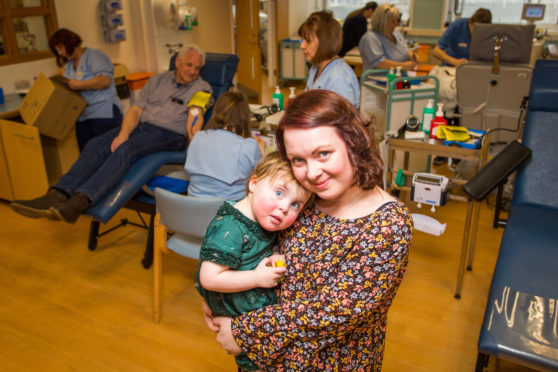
(276,204)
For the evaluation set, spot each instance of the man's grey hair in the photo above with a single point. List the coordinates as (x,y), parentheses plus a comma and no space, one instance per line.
(185,49)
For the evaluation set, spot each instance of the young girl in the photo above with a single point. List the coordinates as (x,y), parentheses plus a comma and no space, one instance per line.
(237,272)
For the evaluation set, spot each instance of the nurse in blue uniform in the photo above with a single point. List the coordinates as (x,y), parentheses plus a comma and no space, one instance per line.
(91,73)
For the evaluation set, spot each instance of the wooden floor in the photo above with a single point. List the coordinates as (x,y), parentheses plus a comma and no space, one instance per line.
(67,308)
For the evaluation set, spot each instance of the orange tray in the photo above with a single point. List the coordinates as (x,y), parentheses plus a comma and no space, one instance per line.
(136,80)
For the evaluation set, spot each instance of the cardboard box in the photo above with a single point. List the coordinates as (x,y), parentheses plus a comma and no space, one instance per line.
(22,166)
(120,72)
(59,155)
(52,107)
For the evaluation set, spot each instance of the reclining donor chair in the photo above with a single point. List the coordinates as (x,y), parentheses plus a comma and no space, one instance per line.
(490,87)
(521,316)
(218,70)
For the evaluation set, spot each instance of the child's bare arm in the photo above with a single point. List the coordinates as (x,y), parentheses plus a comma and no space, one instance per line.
(219,278)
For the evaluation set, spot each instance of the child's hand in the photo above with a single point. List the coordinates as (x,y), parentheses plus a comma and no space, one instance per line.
(277,259)
(267,276)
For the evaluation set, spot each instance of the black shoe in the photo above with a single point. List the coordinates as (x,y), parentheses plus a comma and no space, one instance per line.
(39,207)
(69,210)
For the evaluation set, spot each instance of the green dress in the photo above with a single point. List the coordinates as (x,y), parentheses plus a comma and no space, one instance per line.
(234,240)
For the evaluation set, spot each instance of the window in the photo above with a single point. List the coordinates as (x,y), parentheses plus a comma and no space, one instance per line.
(509,11)
(341,8)
(24,29)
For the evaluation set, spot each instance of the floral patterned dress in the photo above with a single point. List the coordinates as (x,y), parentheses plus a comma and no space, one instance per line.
(342,275)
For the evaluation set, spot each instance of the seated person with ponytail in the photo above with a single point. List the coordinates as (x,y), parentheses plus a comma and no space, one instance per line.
(165,117)
(220,159)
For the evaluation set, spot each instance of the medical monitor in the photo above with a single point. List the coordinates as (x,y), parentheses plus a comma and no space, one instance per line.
(533,12)
(517,41)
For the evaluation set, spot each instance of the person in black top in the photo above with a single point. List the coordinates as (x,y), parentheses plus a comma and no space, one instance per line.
(355,26)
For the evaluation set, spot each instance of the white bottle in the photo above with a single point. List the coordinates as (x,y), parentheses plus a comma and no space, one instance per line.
(427,116)
(292,94)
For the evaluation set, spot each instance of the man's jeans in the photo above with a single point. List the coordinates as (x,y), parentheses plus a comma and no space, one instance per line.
(98,170)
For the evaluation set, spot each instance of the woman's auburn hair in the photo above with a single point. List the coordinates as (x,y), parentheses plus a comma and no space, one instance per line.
(382,17)
(69,39)
(316,108)
(328,31)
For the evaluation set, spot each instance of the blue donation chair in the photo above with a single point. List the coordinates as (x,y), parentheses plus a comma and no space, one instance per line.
(521,316)
(186,216)
(218,71)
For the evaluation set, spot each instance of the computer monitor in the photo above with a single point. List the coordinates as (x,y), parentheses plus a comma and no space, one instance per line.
(533,12)
(516,45)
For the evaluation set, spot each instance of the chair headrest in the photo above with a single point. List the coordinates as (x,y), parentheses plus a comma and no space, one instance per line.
(218,70)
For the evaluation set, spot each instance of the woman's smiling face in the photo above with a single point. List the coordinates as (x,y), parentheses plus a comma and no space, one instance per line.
(319,160)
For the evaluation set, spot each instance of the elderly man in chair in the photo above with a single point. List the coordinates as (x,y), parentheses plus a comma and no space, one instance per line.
(167,114)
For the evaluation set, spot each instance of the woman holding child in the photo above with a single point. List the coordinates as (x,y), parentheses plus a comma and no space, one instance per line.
(345,254)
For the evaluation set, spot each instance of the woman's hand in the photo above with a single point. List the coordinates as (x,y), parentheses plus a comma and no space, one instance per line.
(261,143)
(225,336)
(413,56)
(209,317)
(409,65)
(75,84)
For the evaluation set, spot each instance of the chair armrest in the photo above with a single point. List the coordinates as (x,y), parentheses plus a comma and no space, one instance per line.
(497,170)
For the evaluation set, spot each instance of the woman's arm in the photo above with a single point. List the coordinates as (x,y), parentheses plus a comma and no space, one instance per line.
(387,64)
(219,278)
(96,83)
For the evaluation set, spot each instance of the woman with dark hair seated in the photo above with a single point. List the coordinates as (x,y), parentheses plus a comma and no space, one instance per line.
(321,41)
(90,72)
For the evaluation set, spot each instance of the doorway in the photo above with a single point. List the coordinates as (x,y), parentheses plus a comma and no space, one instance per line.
(255,45)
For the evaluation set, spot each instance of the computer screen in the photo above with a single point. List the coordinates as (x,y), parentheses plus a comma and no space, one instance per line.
(516,47)
(533,12)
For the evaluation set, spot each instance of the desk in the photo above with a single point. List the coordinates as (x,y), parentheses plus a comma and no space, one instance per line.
(355,61)
(479,157)
(10,108)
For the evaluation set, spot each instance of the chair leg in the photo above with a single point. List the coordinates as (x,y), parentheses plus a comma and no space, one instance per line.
(93,235)
(148,255)
(482,362)
(160,238)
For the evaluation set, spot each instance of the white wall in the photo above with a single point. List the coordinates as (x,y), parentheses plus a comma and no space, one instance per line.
(299,11)
(144,48)
(214,32)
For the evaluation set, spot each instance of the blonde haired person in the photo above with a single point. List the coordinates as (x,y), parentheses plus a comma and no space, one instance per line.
(237,274)
(384,46)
